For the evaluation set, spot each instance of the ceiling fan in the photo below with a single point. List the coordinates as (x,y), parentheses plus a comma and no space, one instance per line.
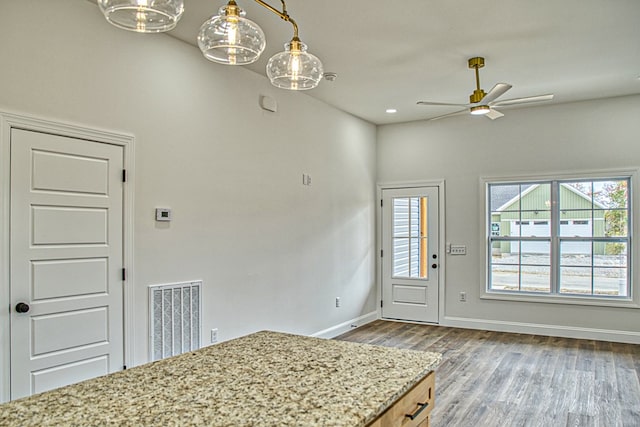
(482,103)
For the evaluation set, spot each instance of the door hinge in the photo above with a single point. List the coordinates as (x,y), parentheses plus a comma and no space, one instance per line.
(124,175)
(124,367)
(124,274)
(381,303)
(381,253)
(380,202)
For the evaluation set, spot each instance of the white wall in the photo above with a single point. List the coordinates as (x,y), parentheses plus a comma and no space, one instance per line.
(273,254)
(584,136)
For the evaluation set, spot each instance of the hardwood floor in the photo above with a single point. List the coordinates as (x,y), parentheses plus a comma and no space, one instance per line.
(500,379)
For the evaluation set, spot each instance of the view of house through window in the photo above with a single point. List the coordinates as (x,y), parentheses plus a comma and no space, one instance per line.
(410,237)
(560,237)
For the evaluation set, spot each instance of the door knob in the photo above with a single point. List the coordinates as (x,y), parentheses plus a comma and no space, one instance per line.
(22,307)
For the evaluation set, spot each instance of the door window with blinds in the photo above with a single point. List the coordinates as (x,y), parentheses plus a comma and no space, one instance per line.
(410,237)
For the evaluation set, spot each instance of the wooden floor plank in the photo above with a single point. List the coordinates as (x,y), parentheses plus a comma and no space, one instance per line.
(501,379)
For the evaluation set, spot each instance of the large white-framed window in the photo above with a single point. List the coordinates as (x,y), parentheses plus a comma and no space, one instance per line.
(560,239)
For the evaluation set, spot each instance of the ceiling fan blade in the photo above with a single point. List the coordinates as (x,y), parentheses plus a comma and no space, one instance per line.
(494,114)
(441,103)
(525,100)
(498,90)
(455,113)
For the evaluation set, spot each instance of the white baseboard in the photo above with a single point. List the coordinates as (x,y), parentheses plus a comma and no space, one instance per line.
(541,329)
(336,330)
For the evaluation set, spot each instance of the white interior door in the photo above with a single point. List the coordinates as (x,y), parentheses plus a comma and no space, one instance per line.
(410,254)
(66,259)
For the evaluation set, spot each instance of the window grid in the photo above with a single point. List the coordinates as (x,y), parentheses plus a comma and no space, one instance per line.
(597,240)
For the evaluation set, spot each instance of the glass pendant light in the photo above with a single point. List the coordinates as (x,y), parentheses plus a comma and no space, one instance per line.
(295,68)
(230,38)
(143,16)
(226,38)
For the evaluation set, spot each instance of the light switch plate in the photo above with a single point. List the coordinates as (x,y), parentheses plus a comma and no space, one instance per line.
(458,250)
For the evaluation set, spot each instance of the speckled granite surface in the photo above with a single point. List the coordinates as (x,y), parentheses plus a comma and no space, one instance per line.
(263,379)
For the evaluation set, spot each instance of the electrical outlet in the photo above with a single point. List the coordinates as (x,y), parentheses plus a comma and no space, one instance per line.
(214,336)
(463,297)
(337,302)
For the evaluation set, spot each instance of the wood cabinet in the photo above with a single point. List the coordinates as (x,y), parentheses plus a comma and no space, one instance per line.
(412,409)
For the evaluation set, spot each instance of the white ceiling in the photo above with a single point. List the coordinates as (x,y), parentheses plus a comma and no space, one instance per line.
(391,54)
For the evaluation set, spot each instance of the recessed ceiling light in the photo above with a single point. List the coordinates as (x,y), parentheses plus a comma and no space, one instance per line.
(391,110)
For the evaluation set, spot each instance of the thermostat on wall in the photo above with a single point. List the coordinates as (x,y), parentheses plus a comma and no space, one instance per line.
(163,214)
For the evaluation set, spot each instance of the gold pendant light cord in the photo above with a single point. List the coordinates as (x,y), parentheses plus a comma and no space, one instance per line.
(284,15)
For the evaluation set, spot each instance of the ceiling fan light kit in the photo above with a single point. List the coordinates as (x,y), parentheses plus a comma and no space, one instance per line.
(227,38)
(482,103)
(479,110)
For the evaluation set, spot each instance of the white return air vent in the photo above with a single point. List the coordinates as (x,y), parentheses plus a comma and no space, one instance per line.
(175,318)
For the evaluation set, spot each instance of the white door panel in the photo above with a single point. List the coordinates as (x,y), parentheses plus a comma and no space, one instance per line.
(57,376)
(69,277)
(66,260)
(410,254)
(409,294)
(70,173)
(68,330)
(53,225)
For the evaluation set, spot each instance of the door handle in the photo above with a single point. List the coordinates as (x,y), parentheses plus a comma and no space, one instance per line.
(22,307)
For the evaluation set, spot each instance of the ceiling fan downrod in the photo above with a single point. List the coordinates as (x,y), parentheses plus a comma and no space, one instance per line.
(477,95)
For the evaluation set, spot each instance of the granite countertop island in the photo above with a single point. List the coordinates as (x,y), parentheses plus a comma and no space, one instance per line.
(262,379)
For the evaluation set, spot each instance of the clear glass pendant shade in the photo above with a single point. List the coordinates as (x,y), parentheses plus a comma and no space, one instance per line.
(143,16)
(229,38)
(295,68)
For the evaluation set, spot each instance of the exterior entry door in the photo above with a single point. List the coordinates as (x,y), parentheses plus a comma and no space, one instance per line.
(410,257)
(66,259)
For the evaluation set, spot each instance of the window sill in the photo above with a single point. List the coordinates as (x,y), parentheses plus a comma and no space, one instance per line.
(561,299)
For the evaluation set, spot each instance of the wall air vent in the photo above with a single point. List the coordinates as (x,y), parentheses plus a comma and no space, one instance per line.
(175,319)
